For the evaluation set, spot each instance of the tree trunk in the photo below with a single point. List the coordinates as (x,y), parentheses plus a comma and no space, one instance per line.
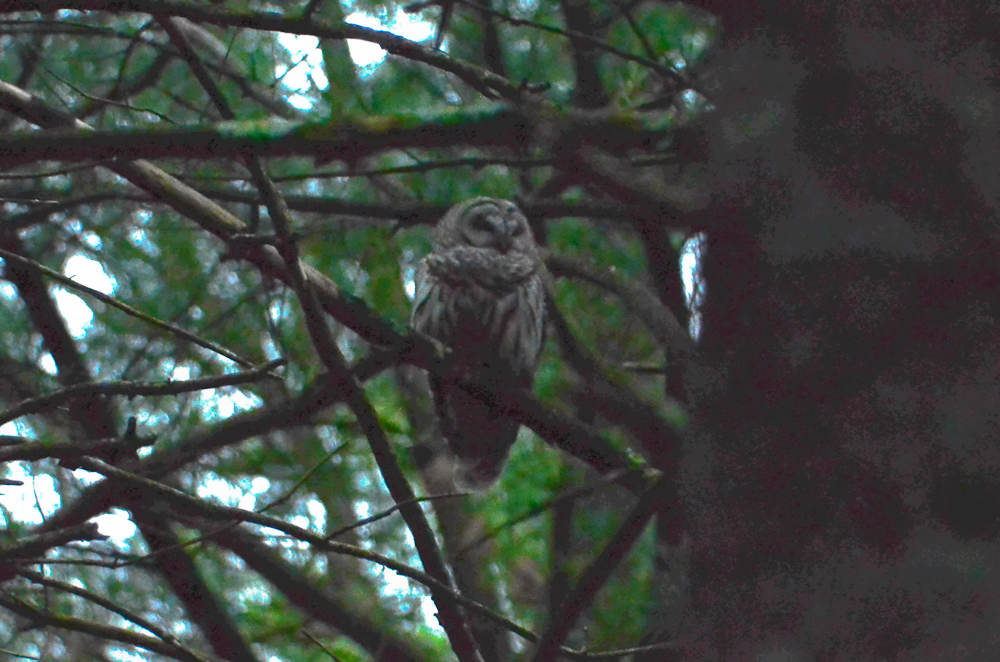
(841,485)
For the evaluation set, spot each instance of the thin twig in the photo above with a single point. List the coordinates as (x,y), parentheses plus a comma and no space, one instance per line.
(389,511)
(111,102)
(576,493)
(149,319)
(41,213)
(99,630)
(133,389)
(595,576)
(308,635)
(668,72)
(111,606)
(642,301)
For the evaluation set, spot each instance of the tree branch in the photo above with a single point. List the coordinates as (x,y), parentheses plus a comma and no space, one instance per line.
(113,607)
(374,635)
(598,573)
(99,630)
(49,401)
(35,545)
(114,303)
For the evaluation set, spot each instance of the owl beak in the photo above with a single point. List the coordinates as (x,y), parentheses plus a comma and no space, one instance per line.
(504,243)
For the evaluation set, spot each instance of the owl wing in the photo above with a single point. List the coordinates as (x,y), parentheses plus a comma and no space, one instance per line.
(521,328)
(430,305)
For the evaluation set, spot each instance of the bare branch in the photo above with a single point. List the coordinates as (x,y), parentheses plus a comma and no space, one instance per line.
(98,630)
(70,451)
(662,323)
(37,544)
(132,389)
(111,301)
(113,607)
(598,573)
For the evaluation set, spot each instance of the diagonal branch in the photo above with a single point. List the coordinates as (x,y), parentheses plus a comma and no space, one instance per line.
(451,618)
(114,303)
(114,607)
(99,630)
(598,573)
(326,606)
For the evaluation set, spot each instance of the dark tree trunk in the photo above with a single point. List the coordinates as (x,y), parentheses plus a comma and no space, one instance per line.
(842,486)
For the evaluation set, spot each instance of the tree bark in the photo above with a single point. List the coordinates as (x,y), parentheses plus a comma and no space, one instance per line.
(850,425)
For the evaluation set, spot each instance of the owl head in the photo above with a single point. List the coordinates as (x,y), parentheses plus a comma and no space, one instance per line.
(485,223)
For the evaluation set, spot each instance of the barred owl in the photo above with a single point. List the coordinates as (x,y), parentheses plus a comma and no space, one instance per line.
(480,292)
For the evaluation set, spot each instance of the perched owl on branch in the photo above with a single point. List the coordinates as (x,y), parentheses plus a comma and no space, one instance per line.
(480,292)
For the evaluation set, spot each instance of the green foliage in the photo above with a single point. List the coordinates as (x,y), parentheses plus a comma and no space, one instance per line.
(321,476)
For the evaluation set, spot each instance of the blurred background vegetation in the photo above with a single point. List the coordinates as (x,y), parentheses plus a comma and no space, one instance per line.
(363,222)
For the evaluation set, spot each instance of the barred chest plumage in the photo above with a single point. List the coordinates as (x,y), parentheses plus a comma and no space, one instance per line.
(498,329)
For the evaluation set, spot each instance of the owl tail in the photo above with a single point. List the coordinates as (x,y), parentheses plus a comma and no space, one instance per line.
(477,435)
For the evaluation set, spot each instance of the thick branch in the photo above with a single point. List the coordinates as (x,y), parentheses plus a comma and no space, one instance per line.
(324,606)
(486,82)
(348,140)
(71,451)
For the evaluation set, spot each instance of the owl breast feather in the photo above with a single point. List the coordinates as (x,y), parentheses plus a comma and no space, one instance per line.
(486,267)
(479,302)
